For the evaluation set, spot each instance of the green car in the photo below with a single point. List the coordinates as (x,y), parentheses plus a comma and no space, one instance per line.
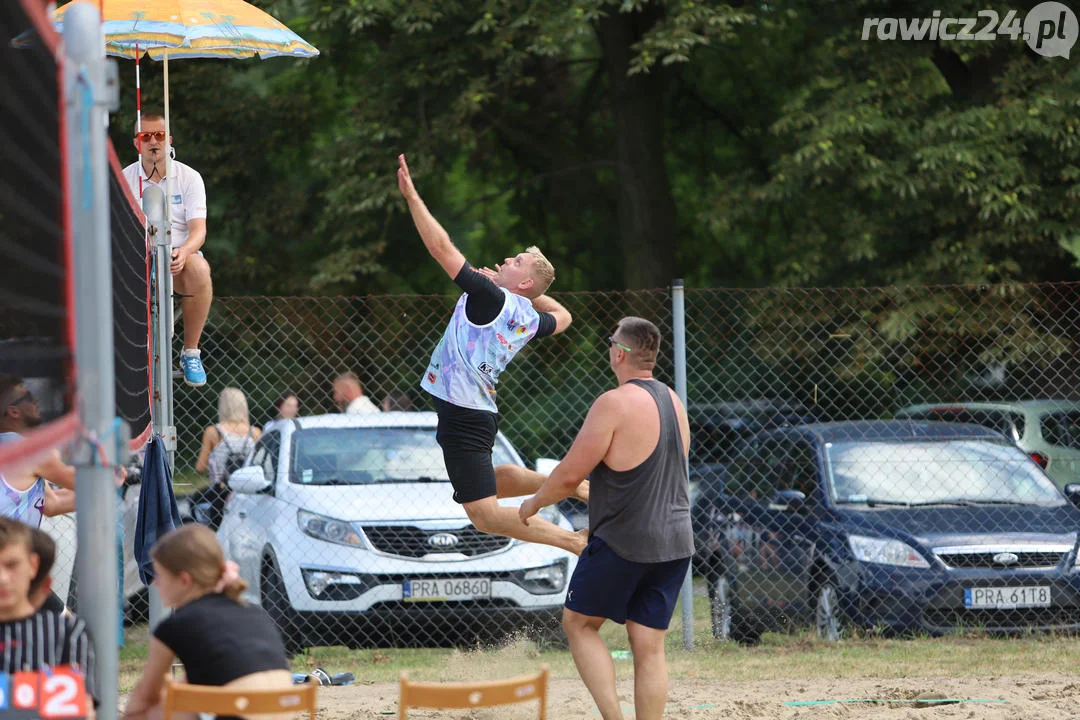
(1048,430)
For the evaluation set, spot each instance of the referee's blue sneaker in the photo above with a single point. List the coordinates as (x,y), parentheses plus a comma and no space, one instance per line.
(191,364)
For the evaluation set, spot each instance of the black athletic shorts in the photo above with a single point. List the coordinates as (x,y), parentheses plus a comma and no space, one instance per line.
(467,438)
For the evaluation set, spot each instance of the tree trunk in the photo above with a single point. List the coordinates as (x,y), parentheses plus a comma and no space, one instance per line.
(646,208)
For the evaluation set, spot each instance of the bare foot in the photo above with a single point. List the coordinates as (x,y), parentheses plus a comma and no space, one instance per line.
(583,536)
(582,491)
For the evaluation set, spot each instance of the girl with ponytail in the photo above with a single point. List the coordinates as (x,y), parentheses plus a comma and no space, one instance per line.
(220,639)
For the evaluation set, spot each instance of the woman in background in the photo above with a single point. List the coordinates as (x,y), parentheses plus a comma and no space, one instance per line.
(224,447)
(220,639)
(286,407)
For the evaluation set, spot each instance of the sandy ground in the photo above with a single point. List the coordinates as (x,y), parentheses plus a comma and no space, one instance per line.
(1050,696)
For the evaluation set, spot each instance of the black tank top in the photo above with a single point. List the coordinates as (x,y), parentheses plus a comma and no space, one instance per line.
(643,514)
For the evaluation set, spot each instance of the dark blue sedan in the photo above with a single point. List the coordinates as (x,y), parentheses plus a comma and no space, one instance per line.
(891,525)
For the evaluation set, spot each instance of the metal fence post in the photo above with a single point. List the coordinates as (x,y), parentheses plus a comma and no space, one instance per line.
(678,346)
(159,231)
(88,97)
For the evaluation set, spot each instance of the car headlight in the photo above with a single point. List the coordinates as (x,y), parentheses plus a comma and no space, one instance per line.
(328,529)
(884,551)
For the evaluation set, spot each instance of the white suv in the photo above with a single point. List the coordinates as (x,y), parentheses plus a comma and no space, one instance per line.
(345,528)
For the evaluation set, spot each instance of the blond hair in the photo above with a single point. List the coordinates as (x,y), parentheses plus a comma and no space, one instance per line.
(232,406)
(194,549)
(146,117)
(543,272)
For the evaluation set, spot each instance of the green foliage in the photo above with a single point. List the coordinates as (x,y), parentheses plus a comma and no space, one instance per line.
(792,151)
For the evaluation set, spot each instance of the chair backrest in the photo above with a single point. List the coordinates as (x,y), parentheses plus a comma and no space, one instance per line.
(182,697)
(474,694)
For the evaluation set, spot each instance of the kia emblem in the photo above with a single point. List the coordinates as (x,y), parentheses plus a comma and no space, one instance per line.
(444,540)
(1006,558)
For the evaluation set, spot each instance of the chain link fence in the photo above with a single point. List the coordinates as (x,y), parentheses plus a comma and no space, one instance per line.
(345,529)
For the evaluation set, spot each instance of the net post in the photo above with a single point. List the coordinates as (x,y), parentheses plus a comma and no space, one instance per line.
(87,99)
(160,235)
(678,347)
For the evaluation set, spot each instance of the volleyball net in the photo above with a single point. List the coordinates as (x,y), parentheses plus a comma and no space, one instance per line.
(38,305)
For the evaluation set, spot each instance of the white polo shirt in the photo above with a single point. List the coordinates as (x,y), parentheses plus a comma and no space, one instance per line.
(188,201)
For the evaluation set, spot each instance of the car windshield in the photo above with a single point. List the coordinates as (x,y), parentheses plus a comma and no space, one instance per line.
(936,472)
(370,455)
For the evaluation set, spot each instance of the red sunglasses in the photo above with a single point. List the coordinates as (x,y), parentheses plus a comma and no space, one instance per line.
(147,135)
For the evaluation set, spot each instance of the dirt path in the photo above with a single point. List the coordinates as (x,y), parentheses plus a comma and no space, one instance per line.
(1051,696)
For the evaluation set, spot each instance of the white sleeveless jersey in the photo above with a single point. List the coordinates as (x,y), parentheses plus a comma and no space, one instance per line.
(468,359)
(23,505)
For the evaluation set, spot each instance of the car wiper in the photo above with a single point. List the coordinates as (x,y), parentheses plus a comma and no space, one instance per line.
(873,502)
(974,501)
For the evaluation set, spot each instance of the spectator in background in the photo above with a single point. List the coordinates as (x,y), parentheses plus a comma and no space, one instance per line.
(221,640)
(28,496)
(349,395)
(286,407)
(36,639)
(225,445)
(187,215)
(397,400)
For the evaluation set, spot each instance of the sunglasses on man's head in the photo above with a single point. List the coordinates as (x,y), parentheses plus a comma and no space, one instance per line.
(27,396)
(618,344)
(148,135)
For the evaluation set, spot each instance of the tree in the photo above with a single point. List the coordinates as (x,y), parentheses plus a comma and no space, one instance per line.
(923,162)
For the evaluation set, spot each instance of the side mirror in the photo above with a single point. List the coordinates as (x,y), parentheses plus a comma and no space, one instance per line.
(1072,492)
(250,480)
(544,466)
(788,501)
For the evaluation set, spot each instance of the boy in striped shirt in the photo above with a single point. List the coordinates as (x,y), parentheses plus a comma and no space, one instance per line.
(31,639)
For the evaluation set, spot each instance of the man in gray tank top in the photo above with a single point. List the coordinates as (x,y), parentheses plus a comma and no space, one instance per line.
(633,448)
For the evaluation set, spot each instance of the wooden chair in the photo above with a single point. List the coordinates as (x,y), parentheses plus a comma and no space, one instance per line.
(474,694)
(182,697)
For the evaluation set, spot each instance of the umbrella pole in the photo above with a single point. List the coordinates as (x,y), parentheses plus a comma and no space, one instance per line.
(138,92)
(138,111)
(163,337)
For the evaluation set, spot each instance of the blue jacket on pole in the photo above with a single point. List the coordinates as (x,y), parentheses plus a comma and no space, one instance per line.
(158,513)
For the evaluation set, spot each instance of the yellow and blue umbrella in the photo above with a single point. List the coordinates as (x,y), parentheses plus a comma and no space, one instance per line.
(193,28)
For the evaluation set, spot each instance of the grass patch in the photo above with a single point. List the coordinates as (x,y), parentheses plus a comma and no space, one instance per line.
(188,481)
(798,655)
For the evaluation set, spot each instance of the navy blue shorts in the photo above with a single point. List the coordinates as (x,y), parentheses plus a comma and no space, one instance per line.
(604,585)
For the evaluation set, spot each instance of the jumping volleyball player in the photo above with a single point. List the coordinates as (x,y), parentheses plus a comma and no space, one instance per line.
(499,311)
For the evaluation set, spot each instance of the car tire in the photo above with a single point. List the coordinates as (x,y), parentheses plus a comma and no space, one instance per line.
(729,622)
(828,615)
(275,601)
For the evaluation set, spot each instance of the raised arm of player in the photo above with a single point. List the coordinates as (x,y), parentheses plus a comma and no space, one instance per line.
(543,303)
(436,239)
